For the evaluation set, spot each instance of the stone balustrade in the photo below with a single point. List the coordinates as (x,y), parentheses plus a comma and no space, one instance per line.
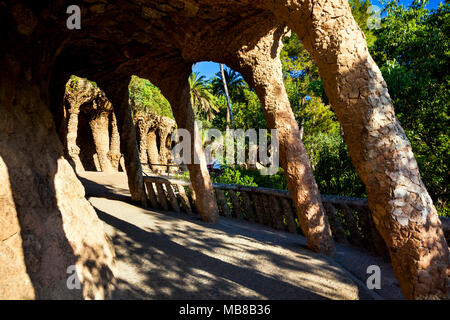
(350,218)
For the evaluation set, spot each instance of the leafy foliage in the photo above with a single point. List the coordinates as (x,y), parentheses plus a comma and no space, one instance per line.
(332,165)
(274,181)
(362,14)
(73,85)
(145,97)
(247,113)
(234,176)
(202,99)
(235,84)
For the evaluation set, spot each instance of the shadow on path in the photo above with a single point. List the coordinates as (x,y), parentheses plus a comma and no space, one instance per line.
(174,264)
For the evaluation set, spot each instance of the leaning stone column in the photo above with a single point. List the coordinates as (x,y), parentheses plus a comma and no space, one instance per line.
(100,132)
(177,92)
(166,127)
(264,71)
(114,148)
(401,207)
(142,130)
(72,132)
(152,150)
(128,144)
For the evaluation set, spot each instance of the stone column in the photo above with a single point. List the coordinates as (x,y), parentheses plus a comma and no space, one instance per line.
(114,154)
(117,93)
(176,90)
(72,132)
(262,65)
(142,128)
(402,209)
(166,128)
(152,150)
(99,124)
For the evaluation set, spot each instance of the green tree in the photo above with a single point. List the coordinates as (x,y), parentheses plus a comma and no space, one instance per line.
(145,97)
(235,84)
(363,12)
(202,99)
(228,83)
(247,113)
(412,50)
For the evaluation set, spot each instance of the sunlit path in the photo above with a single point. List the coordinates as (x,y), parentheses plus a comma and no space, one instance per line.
(165,255)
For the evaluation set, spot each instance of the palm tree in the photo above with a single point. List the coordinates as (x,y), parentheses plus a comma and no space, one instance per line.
(234,82)
(225,82)
(202,99)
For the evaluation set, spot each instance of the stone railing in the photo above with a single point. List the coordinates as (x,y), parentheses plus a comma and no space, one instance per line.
(350,218)
(167,169)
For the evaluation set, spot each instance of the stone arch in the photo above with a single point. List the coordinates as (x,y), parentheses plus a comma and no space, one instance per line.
(380,150)
(260,65)
(50,226)
(89,127)
(146,42)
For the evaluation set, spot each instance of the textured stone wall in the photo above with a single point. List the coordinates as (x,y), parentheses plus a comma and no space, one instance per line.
(154,135)
(46,224)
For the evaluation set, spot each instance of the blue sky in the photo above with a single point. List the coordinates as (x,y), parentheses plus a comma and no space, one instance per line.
(209,69)
(431,3)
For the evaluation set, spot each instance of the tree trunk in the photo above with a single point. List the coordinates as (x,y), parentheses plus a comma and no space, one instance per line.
(230,118)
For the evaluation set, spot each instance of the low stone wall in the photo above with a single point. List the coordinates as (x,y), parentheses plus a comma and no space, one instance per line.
(349,217)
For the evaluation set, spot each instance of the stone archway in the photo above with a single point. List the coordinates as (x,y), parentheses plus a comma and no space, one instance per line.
(90,128)
(160,41)
(381,153)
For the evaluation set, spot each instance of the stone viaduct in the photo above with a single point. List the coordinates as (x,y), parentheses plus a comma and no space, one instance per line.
(46,224)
